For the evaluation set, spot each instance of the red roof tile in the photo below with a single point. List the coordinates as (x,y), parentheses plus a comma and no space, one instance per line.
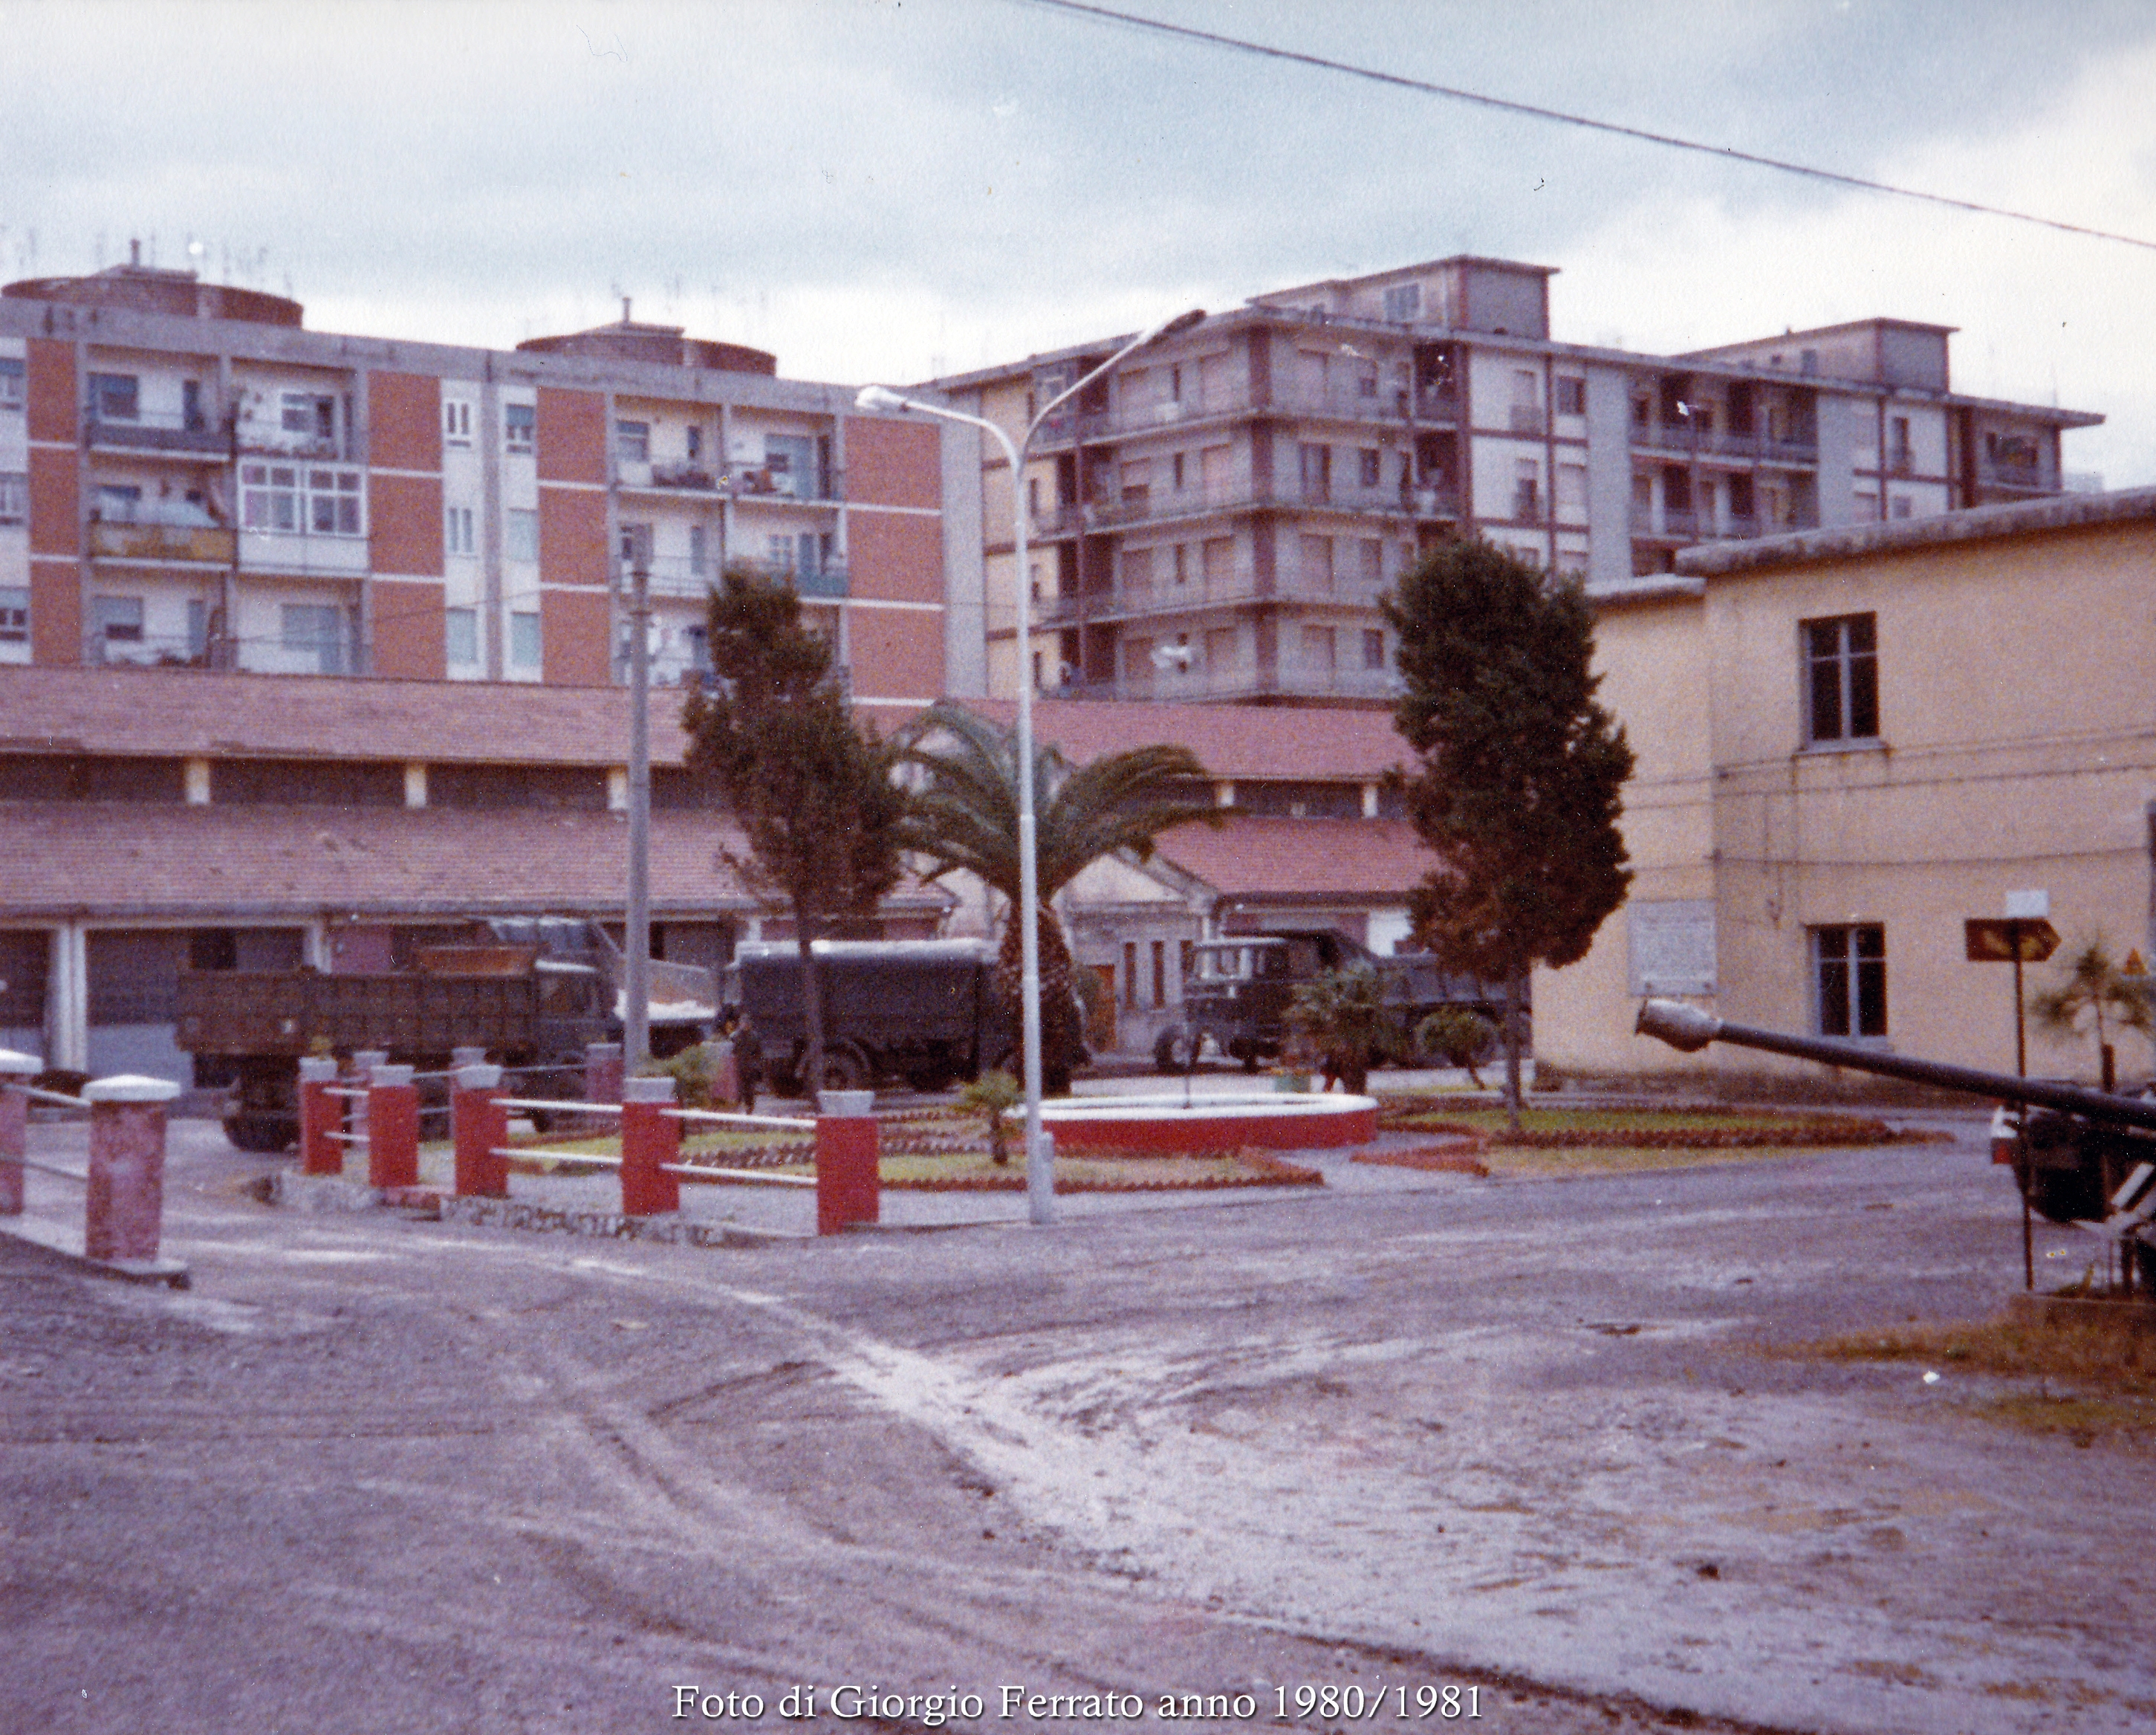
(1250,855)
(187,712)
(58,859)
(1320,744)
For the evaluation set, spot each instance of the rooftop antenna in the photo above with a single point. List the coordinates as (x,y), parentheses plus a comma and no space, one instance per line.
(624,310)
(134,251)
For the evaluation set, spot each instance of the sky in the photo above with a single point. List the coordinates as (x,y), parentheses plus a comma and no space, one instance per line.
(887,190)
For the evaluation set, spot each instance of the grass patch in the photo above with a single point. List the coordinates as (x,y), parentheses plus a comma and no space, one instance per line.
(2087,1378)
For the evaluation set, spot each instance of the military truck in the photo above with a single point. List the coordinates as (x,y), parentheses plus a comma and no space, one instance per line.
(1237,990)
(534,992)
(925,1011)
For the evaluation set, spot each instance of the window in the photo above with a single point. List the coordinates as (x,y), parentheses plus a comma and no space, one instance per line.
(1181,563)
(1403,302)
(115,397)
(1130,973)
(1571,395)
(790,459)
(310,415)
(1316,472)
(632,442)
(1372,552)
(695,444)
(519,426)
(1367,472)
(457,531)
(10,382)
(286,498)
(1848,979)
(456,422)
(1841,684)
(520,534)
(197,628)
(116,620)
(524,645)
(14,614)
(460,636)
(1902,506)
(316,630)
(1528,490)
(1217,555)
(1224,648)
(1175,464)
(1373,647)
(1571,490)
(1317,565)
(700,552)
(635,539)
(1160,972)
(14,496)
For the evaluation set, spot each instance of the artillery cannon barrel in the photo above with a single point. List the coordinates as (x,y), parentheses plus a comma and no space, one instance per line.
(1689,1029)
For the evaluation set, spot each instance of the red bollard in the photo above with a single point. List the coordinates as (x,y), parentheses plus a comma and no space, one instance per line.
(393,1128)
(480,1126)
(320,1115)
(127,1208)
(847,1189)
(16,1072)
(650,1137)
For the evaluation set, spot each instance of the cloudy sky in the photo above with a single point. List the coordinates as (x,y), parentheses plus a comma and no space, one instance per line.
(888,189)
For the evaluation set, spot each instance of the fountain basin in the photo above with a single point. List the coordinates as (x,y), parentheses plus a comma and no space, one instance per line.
(1281,1120)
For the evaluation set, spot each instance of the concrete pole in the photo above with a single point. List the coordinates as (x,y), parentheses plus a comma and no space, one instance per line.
(16,1072)
(636,942)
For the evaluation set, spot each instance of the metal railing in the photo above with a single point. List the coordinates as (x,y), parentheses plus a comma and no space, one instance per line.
(154,431)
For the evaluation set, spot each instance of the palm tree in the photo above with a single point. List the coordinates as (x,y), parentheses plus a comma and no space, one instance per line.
(965,815)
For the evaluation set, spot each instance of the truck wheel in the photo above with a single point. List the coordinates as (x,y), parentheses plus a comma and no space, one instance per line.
(1174,1052)
(846,1068)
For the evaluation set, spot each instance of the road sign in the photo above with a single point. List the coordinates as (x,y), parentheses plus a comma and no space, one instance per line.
(2009,939)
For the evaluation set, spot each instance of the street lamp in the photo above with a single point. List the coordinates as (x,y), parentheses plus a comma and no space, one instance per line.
(1039,1175)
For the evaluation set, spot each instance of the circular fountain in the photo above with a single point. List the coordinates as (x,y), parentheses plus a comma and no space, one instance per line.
(1275,1121)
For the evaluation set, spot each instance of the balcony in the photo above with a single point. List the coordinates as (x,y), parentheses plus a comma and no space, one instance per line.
(827,578)
(202,544)
(1527,506)
(1237,682)
(778,486)
(169,432)
(1528,418)
(1349,401)
(678,477)
(676,575)
(2029,477)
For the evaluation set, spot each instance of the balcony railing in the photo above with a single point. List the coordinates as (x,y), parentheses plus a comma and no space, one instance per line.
(763,483)
(154,432)
(1683,526)
(111,539)
(827,578)
(1152,504)
(676,575)
(2036,478)
(1233,682)
(1528,418)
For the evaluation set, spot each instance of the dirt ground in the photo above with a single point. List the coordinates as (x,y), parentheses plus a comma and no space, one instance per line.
(1520,1455)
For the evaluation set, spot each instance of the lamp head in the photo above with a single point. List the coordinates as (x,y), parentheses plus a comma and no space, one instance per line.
(879,398)
(1170,328)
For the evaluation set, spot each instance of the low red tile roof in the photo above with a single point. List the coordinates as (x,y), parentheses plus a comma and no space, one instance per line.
(127,861)
(1251,855)
(190,711)
(193,712)
(1318,744)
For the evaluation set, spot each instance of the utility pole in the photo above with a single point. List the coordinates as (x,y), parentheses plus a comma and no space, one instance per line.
(636,942)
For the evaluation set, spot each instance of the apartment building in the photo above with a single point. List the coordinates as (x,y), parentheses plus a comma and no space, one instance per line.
(187,476)
(1216,520)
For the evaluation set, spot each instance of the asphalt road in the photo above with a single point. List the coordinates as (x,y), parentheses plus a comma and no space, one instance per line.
(1528,1450)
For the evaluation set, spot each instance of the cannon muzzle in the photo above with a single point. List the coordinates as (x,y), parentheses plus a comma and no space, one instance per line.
(1691,1029)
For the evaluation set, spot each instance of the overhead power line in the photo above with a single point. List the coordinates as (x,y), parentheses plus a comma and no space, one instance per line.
(1243,45)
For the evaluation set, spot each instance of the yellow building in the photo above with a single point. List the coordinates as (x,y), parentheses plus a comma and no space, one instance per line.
(1851,741)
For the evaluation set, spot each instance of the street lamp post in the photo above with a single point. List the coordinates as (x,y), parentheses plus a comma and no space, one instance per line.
(1039,1172)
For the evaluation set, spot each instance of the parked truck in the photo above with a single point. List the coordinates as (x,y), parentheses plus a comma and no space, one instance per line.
(534,992)
(1237,991)
(925,1011)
